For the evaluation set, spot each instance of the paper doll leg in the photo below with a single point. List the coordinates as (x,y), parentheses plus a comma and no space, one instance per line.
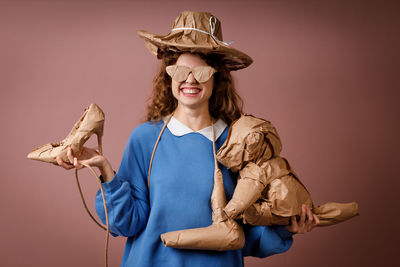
(283,198)
(250,185)
(223,234)
(286,196)
(252,182)
(260,214)
(332,213)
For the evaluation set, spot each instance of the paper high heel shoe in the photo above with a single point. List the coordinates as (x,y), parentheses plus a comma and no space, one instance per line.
(91,122)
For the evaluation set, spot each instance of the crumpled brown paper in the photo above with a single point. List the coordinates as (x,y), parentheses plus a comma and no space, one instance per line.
(91,122)
(268,191)
(180,73)
(206,39)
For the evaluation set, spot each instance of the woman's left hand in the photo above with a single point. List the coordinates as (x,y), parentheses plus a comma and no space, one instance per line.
(303,225)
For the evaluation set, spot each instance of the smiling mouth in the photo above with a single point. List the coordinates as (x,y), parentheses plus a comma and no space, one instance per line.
(190,91)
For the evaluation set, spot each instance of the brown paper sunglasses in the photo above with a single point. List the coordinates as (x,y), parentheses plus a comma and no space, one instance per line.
(180,73)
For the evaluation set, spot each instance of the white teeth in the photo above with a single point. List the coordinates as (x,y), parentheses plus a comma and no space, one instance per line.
(190,91)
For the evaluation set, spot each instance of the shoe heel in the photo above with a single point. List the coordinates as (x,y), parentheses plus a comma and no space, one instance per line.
(100,142)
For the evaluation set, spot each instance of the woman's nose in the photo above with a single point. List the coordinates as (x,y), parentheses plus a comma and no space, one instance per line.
(191,79)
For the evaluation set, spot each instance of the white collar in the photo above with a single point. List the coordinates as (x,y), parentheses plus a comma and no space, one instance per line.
(177,128)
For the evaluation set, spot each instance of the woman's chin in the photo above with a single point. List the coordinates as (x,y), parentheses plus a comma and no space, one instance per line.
(192,103)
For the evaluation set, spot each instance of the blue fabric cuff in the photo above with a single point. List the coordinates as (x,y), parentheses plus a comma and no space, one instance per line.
(110,185)
(283,232)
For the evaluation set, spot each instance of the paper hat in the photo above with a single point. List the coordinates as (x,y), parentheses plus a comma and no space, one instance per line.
(197,32)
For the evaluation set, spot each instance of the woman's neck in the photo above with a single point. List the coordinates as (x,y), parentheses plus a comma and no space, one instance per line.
(195,119)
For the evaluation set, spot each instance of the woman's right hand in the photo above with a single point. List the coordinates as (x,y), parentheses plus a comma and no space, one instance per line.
(89,157)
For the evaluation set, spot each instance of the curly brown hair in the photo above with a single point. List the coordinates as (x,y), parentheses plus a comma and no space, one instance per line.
(224,102)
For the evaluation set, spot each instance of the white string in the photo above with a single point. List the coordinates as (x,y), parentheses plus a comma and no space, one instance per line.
(212,25)
(212,29)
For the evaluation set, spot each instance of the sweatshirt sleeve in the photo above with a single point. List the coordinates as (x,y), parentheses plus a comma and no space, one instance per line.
(264,241)
(126,194)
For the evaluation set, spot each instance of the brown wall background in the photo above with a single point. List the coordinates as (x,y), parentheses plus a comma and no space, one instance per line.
(326,73)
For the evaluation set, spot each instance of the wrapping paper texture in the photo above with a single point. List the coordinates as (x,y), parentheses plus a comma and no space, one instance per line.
(180,73)
(207,39)
(91,122)
(251,190)
(245,144)
(226,235)
(268,190)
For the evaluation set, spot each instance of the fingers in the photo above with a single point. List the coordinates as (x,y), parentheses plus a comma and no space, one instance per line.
(77,164)
(69,155)
(310,219)
(303,215)
(303,225)
(309,214)
(73,161)
(307,220)
(316,219)
(63,164)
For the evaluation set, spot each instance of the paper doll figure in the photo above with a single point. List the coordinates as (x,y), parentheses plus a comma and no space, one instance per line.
(268,190)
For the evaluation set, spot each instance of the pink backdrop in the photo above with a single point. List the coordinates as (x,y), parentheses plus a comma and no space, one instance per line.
(326,73)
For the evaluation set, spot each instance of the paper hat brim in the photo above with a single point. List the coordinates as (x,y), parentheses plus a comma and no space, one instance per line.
(177,41)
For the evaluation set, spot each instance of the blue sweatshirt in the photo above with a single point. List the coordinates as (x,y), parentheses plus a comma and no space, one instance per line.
(181,183)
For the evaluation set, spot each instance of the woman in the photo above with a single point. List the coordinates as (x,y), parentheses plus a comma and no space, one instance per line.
(194,97)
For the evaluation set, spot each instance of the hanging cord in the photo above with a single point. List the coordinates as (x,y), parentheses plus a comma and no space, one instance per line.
(107,228)
(154,149)
(214,150)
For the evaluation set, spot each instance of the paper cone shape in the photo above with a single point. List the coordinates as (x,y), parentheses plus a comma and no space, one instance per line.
(332,213)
